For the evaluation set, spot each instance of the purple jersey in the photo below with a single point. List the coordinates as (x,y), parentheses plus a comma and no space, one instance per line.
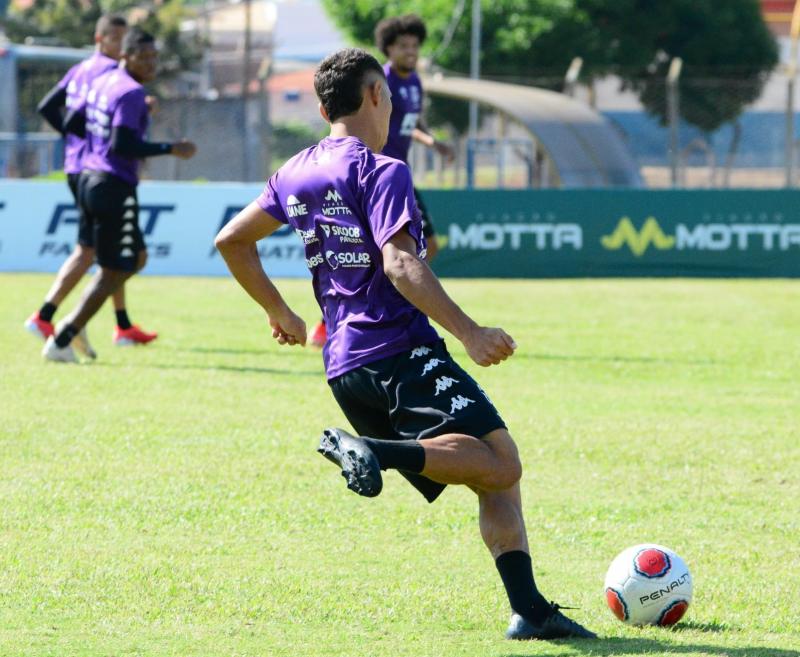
(406,110)
(114,99)
(76,84)
(345,202)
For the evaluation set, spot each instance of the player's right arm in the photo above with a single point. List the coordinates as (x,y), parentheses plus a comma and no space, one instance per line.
(416,282)
(236,243)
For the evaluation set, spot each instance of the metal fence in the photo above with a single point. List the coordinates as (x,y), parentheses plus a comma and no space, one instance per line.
(246,140)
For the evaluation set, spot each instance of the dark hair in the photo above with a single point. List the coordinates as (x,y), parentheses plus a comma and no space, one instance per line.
(107,21)
(387,31)
(135,38)
(340,78)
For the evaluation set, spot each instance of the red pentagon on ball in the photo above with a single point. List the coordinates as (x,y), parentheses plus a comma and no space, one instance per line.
(652,562)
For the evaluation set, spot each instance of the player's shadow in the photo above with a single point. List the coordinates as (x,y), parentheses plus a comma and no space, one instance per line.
(233,368)
(631,646)
(648,360)
(224,350)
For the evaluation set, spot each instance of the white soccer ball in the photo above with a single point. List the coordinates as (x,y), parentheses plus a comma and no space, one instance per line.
(648,584)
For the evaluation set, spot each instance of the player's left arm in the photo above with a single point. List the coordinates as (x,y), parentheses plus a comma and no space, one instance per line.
(236,243)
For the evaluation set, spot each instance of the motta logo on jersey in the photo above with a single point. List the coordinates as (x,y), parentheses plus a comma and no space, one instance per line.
(66,214)
(294,208)
(730,233)
(334,205)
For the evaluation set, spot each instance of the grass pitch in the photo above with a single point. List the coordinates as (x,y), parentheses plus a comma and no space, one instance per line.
(167,500)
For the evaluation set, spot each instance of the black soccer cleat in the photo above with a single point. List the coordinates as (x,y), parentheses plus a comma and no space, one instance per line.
(555,626)
(358,462)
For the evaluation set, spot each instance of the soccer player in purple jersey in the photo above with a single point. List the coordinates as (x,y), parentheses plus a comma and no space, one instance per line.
(69,93)
(399,38)
(415,409)
(114,118)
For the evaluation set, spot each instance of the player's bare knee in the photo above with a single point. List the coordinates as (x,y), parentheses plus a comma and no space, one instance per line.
(506,467)
(141,260)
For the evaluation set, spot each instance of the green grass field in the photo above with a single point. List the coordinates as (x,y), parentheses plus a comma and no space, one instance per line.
(168,500)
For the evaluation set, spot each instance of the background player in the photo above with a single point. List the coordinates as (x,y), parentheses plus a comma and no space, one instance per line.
(400,38)
(70,93)
(114,119)
(387,368)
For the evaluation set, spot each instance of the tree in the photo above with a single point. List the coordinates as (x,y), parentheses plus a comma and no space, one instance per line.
(72,22)
(634,39)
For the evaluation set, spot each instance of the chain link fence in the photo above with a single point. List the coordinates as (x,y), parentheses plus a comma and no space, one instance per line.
(246,140)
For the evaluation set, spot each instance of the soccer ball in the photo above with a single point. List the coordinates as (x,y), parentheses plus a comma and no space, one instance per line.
(648,584)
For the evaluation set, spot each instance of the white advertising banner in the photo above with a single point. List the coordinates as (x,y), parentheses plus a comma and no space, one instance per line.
(39,227)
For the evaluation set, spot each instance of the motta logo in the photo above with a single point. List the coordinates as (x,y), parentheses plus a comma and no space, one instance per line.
(707,236)
(638,241)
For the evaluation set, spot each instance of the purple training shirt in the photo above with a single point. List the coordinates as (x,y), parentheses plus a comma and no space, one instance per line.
(406,109)
(345,202)
(114,99)
(76,84)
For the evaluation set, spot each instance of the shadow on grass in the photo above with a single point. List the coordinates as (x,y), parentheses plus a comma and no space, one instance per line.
(616,359)
(631,646)
(214,368)
(701,627)
(224,350)
(239,370)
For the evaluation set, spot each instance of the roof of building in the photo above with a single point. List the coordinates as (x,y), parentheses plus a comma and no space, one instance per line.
(583,146)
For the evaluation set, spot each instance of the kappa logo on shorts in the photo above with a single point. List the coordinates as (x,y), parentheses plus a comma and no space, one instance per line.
(130,202)
(459,402)
(129,214)
(431,364)
(443,383)
(419,351)
(126,240)
(126,253)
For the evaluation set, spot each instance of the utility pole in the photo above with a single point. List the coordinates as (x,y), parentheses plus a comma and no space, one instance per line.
(791,73)
(674,116)
(475,64)
(247,47)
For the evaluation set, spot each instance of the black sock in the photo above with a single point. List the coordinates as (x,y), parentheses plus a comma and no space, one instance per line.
(517,575)
(47,311)
(122,319)
(406,455)
(65,335)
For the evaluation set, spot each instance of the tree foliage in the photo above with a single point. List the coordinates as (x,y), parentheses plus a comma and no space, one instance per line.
(72,22)
(726,47)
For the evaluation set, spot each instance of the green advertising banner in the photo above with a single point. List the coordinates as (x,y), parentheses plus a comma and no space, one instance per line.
(554,233)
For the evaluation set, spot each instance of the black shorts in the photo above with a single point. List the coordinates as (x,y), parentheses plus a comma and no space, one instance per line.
(111,209)
(85,237)
(419,394)
(427,223)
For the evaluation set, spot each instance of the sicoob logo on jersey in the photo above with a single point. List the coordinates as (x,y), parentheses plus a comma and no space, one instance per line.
(652,563)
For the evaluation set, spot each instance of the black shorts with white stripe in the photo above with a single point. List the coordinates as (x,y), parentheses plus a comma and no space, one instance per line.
(421,393)
(110,208)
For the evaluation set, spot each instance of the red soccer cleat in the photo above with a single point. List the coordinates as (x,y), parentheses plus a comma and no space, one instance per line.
(39,327)
(319,335)
(132,336)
